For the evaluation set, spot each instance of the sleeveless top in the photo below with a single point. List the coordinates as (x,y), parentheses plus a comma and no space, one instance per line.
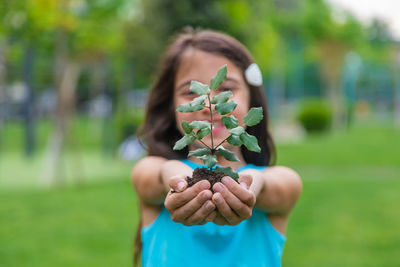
(253,243)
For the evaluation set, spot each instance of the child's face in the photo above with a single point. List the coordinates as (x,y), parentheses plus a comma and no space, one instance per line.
(202,66)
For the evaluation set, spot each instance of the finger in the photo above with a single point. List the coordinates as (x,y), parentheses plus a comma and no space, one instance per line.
(220,220)
(201,214)
(224,209)
(245,180)
(236,205)
(186,211)
(239,190)
(176,200)
(178,183)
(211,217)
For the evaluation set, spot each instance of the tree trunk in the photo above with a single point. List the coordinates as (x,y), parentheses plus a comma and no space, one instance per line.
(28,108)
(3,48)
(65,108)
(396,86)
(332,62)
(2,83)
(396,98)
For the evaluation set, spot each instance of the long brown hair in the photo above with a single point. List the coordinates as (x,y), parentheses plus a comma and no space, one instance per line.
(159,131)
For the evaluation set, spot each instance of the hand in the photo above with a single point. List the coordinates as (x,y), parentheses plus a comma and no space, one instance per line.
(234,201)
(192,205)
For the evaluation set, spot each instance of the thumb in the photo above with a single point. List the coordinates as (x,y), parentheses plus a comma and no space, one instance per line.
(245,180)
(178,183)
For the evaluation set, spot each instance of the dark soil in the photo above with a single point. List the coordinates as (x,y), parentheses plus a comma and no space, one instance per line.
(204,174)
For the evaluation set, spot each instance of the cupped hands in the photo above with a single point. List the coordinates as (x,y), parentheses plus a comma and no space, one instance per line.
(230,204)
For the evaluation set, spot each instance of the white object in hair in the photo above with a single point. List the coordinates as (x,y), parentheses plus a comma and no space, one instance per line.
(253,75)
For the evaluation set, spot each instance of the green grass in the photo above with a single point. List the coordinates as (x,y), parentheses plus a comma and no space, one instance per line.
(345,218)
(77,226)
(19,173)
(347,215)
(366,145)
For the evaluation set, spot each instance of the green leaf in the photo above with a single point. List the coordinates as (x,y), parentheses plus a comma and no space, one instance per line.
(200,152)
(209,160)
(228,155)
(250,142)
(234,140)
(219,78)
(203,132)
(198,100)
(230,122)
(199,88)
(225,108)
(254,116)
(237,131)
(200,124)
(221,97)
(195,105)
(228,171)
(189,108)
(184,141)
(186,127)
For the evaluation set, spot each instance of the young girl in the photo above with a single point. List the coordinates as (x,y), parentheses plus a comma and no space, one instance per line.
(235,224)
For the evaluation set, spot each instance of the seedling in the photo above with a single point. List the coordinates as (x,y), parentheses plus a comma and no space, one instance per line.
(197,130)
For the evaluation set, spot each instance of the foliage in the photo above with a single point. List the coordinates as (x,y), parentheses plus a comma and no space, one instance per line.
(137,31)
(222,106)
(315,115)
(148,32)
(84,31)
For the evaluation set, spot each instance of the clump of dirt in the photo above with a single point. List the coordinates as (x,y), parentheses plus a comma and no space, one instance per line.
(204,174)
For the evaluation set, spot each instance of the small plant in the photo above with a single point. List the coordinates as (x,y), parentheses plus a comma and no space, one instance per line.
(197,130)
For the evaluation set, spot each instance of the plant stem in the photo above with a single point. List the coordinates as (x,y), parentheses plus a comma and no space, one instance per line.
(212,122)
(206,145)
(203,143)
(221,143)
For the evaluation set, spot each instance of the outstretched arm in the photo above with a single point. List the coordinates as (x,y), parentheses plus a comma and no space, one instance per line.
(280,189)
(147,182)
(154,177)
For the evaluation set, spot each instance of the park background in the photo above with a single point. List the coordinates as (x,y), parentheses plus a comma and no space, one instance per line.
(74,77)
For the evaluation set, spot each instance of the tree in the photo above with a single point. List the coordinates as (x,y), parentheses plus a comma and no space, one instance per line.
(148,32)
(78,33)
(332,40)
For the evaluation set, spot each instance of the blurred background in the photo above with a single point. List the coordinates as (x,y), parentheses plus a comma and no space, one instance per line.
(74,79)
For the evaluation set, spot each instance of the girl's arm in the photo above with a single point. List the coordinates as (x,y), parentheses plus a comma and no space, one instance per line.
(146,180)
(153,178)
(278,189)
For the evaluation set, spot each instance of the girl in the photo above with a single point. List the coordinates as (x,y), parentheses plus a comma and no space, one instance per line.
(240,224)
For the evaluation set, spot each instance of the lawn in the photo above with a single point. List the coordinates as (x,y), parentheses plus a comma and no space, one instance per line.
(347,216)
(348,213)
(93,225)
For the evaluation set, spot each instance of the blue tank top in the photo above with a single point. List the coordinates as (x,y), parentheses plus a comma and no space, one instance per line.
(253,242)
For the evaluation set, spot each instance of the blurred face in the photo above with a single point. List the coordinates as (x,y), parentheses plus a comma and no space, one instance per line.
(202,66)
